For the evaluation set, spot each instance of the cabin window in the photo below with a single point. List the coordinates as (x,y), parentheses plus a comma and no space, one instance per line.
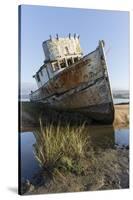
(62,64)
(41,73)
(55,67)
(66,50)
(38,78)
(69,61)
(76,59)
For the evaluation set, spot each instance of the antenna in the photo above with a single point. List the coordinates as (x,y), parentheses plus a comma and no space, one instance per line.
(57,37)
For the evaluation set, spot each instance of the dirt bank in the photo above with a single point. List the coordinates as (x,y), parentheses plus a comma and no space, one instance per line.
(121,116)
(103,170)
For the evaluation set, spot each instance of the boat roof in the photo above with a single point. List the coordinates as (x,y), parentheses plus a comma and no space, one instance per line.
(42,67)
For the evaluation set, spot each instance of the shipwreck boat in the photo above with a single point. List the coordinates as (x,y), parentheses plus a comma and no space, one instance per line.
(70,81)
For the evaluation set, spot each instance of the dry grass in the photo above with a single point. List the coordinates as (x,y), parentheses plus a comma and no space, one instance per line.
(60,147)
(121,116)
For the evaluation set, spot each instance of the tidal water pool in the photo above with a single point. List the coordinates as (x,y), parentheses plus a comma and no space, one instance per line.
(103,137)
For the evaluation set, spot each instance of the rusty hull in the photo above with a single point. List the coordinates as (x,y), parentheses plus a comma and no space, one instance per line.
(84,87)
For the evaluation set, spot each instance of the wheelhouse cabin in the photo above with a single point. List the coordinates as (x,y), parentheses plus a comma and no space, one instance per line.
(59,54)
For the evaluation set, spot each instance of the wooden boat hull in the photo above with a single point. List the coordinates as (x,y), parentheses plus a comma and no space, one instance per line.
(83,87)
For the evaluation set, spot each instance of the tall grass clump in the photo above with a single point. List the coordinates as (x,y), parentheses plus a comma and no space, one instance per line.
(59,147)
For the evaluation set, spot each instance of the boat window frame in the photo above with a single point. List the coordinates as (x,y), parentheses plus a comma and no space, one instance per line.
(76,59)
(62,62)
(54,69)
(38,77)
(69,59)
(41,73)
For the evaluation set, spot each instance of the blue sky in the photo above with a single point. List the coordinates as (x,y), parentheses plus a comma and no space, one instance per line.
(38,22)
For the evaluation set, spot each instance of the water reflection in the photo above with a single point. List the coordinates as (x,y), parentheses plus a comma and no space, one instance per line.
(122,137)
(29,164)
(101,137)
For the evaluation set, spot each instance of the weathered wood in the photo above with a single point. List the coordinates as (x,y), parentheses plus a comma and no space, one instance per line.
(84,86)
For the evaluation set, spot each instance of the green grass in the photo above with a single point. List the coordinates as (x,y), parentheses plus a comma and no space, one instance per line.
(60,148)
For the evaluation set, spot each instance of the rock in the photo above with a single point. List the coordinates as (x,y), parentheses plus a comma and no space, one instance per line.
(26,186)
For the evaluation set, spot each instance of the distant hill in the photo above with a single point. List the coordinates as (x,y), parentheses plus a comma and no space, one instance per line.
(124,94)
(26,89)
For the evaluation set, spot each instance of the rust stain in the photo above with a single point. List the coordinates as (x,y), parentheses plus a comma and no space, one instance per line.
(70,78)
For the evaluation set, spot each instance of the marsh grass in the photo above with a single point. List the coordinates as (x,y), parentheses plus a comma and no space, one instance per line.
(60,148)
(122,120)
